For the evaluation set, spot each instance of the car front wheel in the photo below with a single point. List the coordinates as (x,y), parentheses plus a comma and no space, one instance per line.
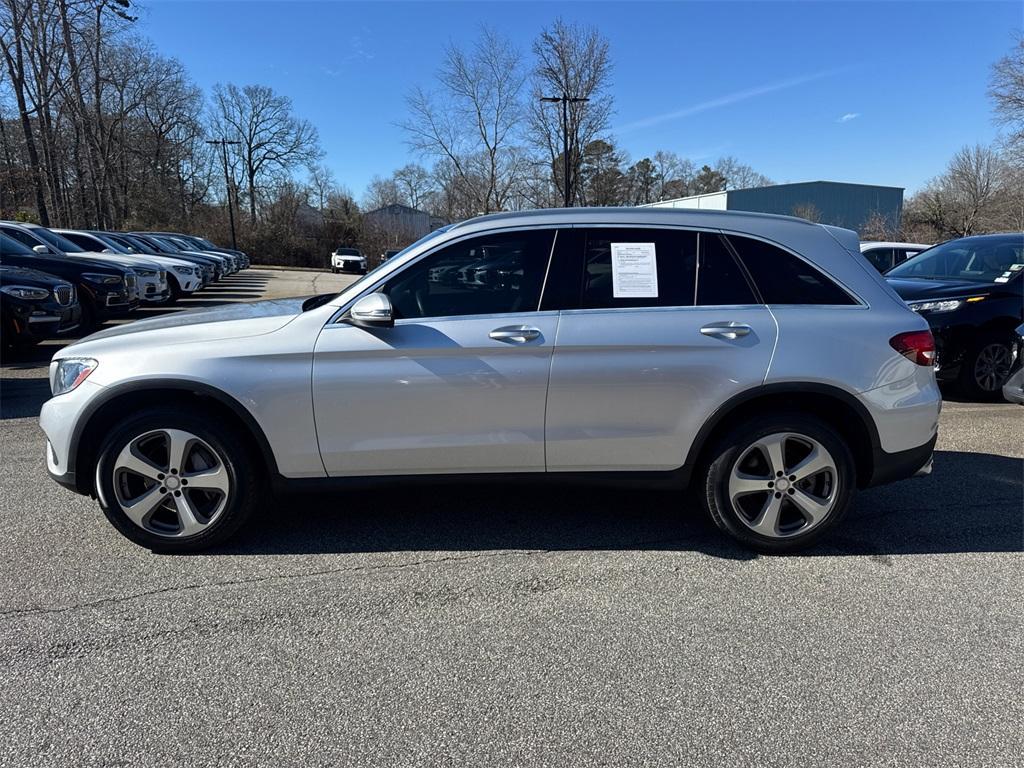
(779,483)
(176,482)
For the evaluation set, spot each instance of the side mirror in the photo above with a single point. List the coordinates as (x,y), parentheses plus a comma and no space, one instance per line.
(40,249)
(372,311)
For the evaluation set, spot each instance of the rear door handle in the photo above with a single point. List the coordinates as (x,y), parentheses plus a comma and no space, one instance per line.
(515,334)
(730,330)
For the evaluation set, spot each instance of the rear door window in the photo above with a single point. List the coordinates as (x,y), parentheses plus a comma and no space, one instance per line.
(636,267)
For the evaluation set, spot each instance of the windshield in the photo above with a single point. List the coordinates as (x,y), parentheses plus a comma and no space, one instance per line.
(10,246)
(58,242)
(984,259)
(168,245)
(110,243)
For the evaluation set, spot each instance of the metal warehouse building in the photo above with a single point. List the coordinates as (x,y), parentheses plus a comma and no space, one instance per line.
(830,202)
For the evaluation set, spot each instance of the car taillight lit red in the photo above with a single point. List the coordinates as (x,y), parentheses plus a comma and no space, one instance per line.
(917,346)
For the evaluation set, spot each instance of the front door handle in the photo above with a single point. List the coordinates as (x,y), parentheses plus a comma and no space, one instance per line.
(730,330)
(515,334)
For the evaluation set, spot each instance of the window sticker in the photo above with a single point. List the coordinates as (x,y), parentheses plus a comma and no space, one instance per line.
(1016,267)
(634,271)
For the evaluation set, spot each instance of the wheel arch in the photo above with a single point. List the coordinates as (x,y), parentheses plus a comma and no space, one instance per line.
(836,407)
(92,428)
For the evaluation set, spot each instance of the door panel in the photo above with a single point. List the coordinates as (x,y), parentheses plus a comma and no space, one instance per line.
(434,395)
(630,388)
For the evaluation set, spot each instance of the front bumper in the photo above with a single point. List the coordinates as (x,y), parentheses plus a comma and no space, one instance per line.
(58,418)
(156,294)
(45,319)
(350,265)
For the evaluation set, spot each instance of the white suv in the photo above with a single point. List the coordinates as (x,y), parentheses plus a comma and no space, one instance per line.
(759,357)
(348,260)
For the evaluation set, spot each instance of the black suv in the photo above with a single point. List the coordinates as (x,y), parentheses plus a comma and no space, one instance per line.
(970,292)
(102,287)
(35,306)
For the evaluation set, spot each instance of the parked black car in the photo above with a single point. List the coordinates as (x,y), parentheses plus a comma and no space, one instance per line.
(35,306)
(102,288)
(970,291)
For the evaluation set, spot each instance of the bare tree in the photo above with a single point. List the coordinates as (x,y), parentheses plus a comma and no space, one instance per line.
(740,175)
(958,202)
(415,183)
(471,122)
(381,192)
(571,61)
(273,141)
(807,211)
(1007,90)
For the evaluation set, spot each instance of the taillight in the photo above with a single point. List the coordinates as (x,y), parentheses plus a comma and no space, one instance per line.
(917,346)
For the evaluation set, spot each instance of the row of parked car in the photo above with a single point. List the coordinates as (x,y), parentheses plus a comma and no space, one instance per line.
(55,282)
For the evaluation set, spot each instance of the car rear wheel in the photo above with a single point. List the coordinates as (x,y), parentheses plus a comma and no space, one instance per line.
(176,482)
(986,368)
(779,483)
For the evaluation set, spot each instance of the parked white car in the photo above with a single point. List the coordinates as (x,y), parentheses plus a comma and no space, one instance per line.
(884,255)
(348,260)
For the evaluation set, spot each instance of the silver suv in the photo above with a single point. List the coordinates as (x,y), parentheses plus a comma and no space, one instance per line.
(760,358)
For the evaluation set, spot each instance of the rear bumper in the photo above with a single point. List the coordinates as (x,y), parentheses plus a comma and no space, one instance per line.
(890,467)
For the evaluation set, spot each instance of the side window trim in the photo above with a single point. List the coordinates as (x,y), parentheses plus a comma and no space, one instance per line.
(858,302)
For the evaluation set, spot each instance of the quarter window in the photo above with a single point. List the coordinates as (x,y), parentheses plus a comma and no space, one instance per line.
(495,274)
(782,278)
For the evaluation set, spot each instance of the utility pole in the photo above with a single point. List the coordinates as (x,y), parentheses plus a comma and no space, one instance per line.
(223,144)
(565,100)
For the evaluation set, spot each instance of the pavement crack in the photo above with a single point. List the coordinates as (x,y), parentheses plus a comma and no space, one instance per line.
(105,601)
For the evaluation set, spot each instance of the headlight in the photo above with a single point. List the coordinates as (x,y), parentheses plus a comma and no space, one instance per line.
(68,373)
(93,277)
(183,270)
(25,292)
(943,305)
(144,272)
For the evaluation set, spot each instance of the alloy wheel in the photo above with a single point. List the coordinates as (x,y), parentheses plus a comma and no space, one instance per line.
(171,483)
(783,485)
(992,367)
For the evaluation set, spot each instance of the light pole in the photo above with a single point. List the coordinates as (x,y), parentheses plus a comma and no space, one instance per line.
(565,100)
(223,143)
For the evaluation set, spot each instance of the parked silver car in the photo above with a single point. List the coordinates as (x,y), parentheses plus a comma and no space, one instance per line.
(759,357)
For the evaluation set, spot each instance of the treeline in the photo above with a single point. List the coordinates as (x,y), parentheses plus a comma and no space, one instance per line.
(98,129)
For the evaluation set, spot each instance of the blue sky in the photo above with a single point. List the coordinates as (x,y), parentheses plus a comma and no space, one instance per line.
(871,92)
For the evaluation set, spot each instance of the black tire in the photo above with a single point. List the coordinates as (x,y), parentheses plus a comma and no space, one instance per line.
(176,292)
(968,379)
(89,322)
(732,447)
(243,467)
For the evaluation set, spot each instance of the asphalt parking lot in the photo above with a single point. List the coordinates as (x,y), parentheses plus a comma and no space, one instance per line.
(515,626)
